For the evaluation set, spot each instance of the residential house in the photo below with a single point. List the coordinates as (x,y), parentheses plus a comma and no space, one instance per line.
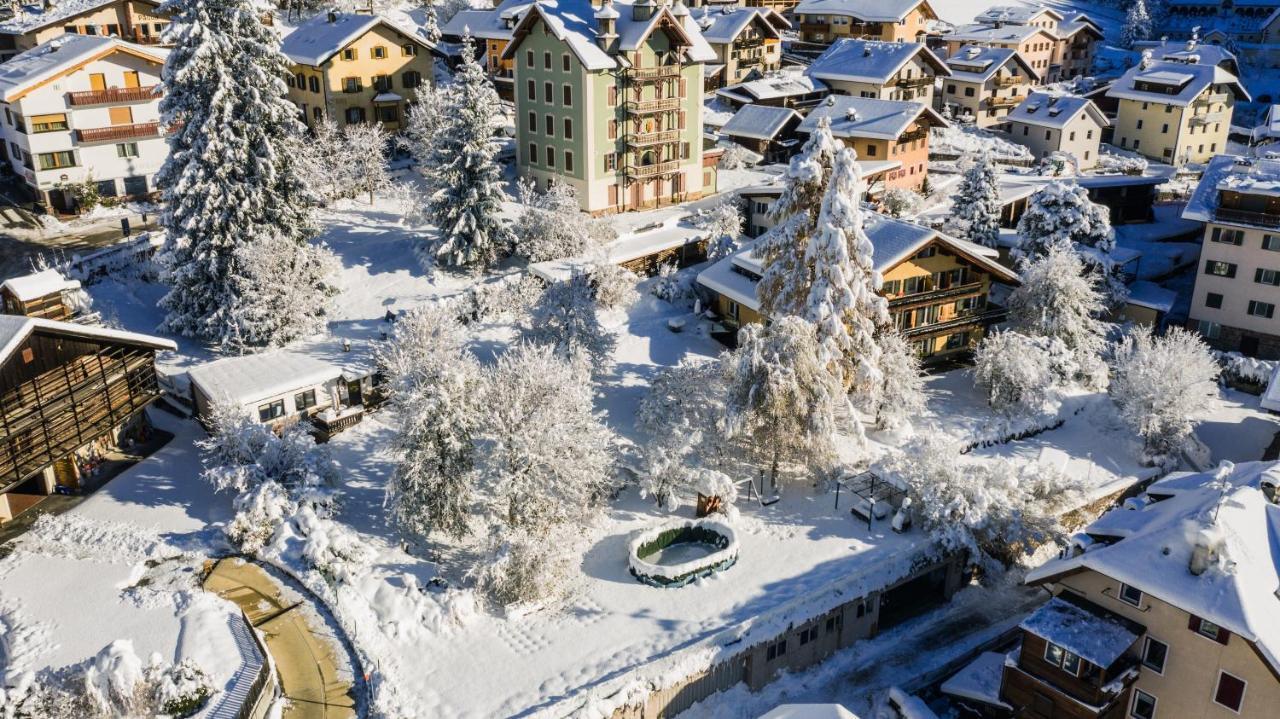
(1237,290)
(1163,608)
(759,199)
(138,21)
(822,22)
(747,42)
(768,131)
(1192,52)
(789,87)
(353,68)
(83,108)
(886,70)
(1174,112)
(1047,123)
(882,130)
(490,30)
(609,101)
(985,83)
(1076,36)
(67,391)
(938,287)
(1035,45)
(44,295)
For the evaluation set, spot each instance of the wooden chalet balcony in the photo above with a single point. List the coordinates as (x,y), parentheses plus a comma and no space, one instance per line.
(644,107)
(974,319)
(117,133)
(1005,101)
(1206,119)
(660,72)
(935,296)
(923,81)
(648,139)
(647,171)
(1009,80)
(1246,217)
(112,96)
(916,134)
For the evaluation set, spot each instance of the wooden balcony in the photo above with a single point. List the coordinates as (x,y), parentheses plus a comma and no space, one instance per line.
(646,107)
(118,133)
(661,72)
(930,297)
(328,425)
(964,321)
(641,172)
(1206,118)
(113,95)
(916,134)
(649,139)
(1211,98)
(1246,217)
(923,81)
(996,102)
(1009,80)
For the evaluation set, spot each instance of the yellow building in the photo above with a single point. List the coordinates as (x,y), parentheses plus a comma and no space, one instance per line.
(884,70)
(355,68)
(822,22)
(986,83)
(138,21)
(490,30)
(1037,46)
(938,287)
(1175,112)
(747,42)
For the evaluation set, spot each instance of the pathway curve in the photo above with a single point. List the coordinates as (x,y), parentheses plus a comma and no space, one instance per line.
(310,666)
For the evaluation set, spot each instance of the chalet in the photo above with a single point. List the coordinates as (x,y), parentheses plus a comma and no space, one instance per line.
(1076,36)
(768,131)
(822,22)
(985,83)
(66,391)
(759,199)
(1165,607)
(1048,124)
(490,30)
(884,70)
(785,88)
(43,295)
(882,130)
(1035,45)
(1192,52)
(747,42)
(938,287)
(137,21)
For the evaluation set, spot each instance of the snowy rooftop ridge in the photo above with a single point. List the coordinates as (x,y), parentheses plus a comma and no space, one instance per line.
(60,55)
(870,117)
(784,83)
(34,16)
(868,10)
(1010,34)
(1087,632)
(1190,80)
(873,61)
(320,38)
(724,25)
(758,122)
(978,63)
(1045,109)
(15,329)
(1230,172)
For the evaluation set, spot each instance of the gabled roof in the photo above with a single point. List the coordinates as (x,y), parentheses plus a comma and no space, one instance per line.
(14,330)
(325,35)
(252,378)
(1150,549)
(871,61)
(758,122)
(35,16)
(1237,174)
(785,83)
(1189,80)
(723,25)
(867,10)
(62,55)
(979,63)
(1006,35)
(1191,51)
(1045,109)
(1083,23)
(39,284)
(870,117)
(1016,14)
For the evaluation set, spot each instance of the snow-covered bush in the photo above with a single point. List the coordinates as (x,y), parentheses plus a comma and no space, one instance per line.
(1023,373)
(1124,164)
(1060,164)
(552,226)
(259,512)
(526,570)
(565,319)
(498,301)
(735,157)
(614,286)
(723,224)
(679,287)
(900,201)
(901,395)
(181,689)
(1058,299)
(1247,370)
(329,547)
(1162,386)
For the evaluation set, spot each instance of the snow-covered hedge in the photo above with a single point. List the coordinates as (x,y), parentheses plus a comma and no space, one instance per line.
(706,531)
(1247,370)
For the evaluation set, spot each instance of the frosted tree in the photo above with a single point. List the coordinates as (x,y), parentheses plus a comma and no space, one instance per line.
(1137,23)
(424,120)
(976,204)
(229,180)
(564,318)
(367,145)
(901,394)
(784,285)
(290,278)
(430,24)
(1058,299)
(1021,373)
(325,160)
(1162,385)
(783,400)
(1062,214)
(552,225)
(900,201)
(842,295)
(722,223)
(466,186)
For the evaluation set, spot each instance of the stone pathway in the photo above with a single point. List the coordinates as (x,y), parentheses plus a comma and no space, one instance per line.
(305,656)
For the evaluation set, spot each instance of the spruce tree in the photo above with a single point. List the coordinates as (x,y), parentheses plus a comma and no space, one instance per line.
(467,192)
(977,202)
(1060,214)
(1137,23)
(231,186)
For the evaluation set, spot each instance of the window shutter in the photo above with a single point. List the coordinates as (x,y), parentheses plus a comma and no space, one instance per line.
(683,88)
(613,95)
(682,115)
(1224,636)
(1194,623)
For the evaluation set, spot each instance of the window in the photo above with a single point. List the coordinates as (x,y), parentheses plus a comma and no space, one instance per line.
(314,83)
(388,113)
(775,650)
(548,93)
(107,188)
(1271,242)
(566,96)
(808,635)
(355,115)
(349,54)
(120,115)
(379,53)
(408,49)
(1267,277)
(1230,692)
(382,83)
(613,129)
(304,400)
(568,128)
(528,58)
(55,160)
(351,85)
(1144,705)
(532,90)
(1129,595)
(1213,301)
(1257,309)
(1164,129)
(411,79)
(317,113)
(48,123)
(1060,657)
(550,126)
(871,150)
(127,149)
(533,152)
(1221,269)
(1209,330)
(1154,654)
(546,59)
(1227,236)
(968,92)
(533,122)
(929,251)
(271,410)
(551,157)
(568,161)
(610,161)
(565,62)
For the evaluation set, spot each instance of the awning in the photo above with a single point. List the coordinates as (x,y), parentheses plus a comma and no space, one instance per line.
(386,98)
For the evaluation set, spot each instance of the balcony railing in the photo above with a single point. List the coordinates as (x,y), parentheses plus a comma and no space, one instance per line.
(119,132)
(1009,80)
(924,81)
(112,95)
(661,168)
(965,320)
(1005,101)
(641,107)
(918,134)
(1207,118)
(646,139)
(932,296)
(1211,98)
(1247,217)
(655,73)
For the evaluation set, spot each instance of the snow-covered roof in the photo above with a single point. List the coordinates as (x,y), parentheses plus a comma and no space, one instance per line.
(723,25)
(34,16)
(1150,549)
(1005,35)
(979,63)
(14,329)
(1189,81)
(867,10)
(784,83)
(1016,14)
(809,711)
(1090,633)
(484,24)
(870,117)
(323,36)
(1152,296)
(979,680)
(252,378)
(1229,172)
(758,122)
(1045,109)
(39,284)
(61,55)
(1190,51)
(872,61)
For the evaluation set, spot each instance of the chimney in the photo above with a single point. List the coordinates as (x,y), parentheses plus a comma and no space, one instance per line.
(607,18)
(1203,554)
(642,10)
(333,17)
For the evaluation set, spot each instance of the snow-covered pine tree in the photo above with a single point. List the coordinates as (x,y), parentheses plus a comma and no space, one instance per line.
(976,207)
(564,318)
(467,190)
(901,395)
(230,183)
(430,23)
(723,224)
(784,285)
(1061,213)
(552,225)
(1137,23)
(367,149)
(1059,299)
(842,299)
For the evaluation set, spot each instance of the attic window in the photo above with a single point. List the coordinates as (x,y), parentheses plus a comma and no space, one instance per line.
(1055,111)
(1130,595)
(349,54)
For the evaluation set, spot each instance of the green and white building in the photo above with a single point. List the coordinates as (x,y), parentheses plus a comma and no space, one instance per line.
(608,99)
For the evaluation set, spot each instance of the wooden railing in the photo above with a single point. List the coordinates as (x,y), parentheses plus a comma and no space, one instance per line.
(112,95)
(990,316)
(924,81)
(119,132)
(646,106)
(1005,101)
(931,296)
(661,168)
(1009,80)
(1247,217)
(655,73)
(645,139)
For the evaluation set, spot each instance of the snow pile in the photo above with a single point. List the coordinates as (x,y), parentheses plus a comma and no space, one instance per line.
(1251,370)
(979,680)
(650,541)
(74,536)
(958,141)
